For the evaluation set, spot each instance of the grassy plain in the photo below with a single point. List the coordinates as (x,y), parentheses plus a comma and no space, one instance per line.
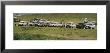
(56,33)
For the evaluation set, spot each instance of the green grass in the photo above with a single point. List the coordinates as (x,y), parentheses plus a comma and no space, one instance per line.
(56,33)
(53,33)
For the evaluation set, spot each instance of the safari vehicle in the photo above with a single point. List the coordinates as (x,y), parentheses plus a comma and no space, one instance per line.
(80,25)
(70,25)
(55,24)
(31,24)
(23,23)
(90,26)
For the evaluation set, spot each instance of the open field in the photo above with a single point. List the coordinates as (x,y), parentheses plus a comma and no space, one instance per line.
(56,33)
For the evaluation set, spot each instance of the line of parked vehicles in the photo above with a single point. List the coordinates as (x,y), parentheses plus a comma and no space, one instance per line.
(45,23)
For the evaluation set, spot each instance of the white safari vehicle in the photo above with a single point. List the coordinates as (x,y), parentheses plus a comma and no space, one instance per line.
(56,24)
(90,26)
(31,23)
(70,25)
(23,23)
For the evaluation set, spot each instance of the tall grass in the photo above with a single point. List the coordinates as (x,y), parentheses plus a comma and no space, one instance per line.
(53,33)
(26,36)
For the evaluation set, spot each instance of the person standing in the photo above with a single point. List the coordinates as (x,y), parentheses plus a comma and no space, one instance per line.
(85,20)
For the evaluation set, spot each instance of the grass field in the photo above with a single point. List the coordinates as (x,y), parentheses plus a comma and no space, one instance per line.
(56,33)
